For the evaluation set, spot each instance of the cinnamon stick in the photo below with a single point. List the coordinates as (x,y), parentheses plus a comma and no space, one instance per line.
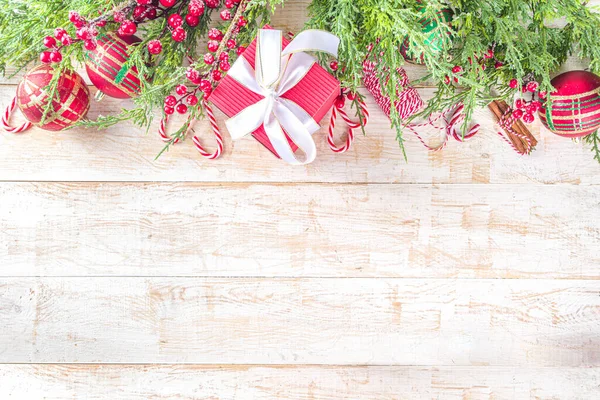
(500,108)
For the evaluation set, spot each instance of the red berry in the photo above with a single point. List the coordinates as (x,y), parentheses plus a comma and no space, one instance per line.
(139,12)
(45,57)
(192,20)
(76,19)
(543,95)
(231,44)
(55,57)
(513,83)
(240,50)
(170,101)
(489,54)
(447,80)
(351,96)
(536,105)
(90,45)
(498,65)
(154,47)
(83,34)
(168,3)
(213,46)
(333,65)
(175,21)
(209,58)
(340,101)
(151,13)
(528,118)
(192,100)
(182,108)
(196,8)
(181,90)
(59,33)
(457,69)
(483,67)
(223,56)
(49,42)
(224,65)
(517,114)
(127,28)
(169,110)
(101,23)
(532,86)
(205,85)
(225,15)
(242,22)
(213,3)
(215,34)
(520,104)
(66,40)
(179,34)
(456,79)
(229,4)
(144,2)
(216,75)
(193,75)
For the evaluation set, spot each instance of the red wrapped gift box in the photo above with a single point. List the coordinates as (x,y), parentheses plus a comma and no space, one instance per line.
(315,93)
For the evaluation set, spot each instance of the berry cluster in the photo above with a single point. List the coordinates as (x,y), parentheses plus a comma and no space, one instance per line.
(86,31)
(526,108)
(217,60)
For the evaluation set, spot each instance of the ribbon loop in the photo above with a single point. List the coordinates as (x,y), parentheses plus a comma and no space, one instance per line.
(276,72)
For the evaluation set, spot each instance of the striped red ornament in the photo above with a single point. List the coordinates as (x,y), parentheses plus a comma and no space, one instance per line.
(70,104)
(573,110)
(107,66)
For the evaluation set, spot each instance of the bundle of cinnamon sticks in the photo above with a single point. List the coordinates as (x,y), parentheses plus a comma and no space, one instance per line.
(523,141)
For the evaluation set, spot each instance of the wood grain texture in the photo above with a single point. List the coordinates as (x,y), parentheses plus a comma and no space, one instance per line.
(126,153)
(143,382)
(426,322)
(465,231)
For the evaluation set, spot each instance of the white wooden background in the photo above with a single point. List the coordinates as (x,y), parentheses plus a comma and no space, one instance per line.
(467,274)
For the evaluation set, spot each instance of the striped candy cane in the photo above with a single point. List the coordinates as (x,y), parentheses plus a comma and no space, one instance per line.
(6,118)
(215,128)
(506,122)
(351,126)
(216,131)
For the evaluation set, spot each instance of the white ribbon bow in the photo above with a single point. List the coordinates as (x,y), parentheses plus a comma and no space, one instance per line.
(277,72)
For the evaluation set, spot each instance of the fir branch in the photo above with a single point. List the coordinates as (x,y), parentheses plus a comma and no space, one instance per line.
(594,141)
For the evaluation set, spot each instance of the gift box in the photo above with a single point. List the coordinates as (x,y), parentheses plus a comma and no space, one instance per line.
(315,93)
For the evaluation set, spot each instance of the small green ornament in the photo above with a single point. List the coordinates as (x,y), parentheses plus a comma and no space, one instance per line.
(435,40)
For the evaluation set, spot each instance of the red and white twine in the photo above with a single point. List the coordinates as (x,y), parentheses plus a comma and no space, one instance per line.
(351,125)
(6,119)
(453,118)
(203,152)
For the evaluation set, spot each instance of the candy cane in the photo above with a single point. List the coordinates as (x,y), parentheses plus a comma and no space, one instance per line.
(351,126)
(6,118)
(162,131)
(217,133)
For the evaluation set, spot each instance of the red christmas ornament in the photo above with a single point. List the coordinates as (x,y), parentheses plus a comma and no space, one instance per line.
(107,66)
(573,110)
(69,106)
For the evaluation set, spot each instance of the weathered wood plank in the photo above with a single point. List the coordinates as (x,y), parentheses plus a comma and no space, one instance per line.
(126,153)
(426,322)
(465,231)
(142,382)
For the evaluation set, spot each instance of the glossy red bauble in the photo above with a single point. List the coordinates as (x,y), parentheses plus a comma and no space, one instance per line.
(107,66)
(70,105)
(573,109)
